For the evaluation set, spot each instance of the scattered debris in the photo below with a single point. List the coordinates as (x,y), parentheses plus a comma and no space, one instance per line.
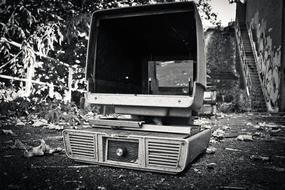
(63,167)
(249,124)
(18,145)
(233,149)
(258,127)
(20,123)
(277,156)
(233,188)
(8,156)
(202,121)
(258,134)
(40,150)
(245,138)
(59,138)
(211,165)
(218,134)
(275,130)
(225,127)
(213,141)
(257,157)
(53,126)
(276,168)
(231,135)
(211,150)
(221,115)
(9,141)
(40,123)
(197,171)
(270,125)
(8,132)
(206,127)
(72,181)
(101,187)
(13,186)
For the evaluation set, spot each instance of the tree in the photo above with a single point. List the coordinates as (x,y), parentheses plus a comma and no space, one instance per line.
(57,29)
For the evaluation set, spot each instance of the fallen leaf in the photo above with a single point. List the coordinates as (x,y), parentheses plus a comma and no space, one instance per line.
(20,123)
(211,150)
(218,133)
(206,127)
(245,138)
(211,165)
(8,132)
(53,126)
(275,130)
(225,127)
(233,149)
(257,157)
(249,124)
(202,121)
(213,141)
(9,141)
(232,188)
(197,171)
(258,127)
(40,123)
(8,156)
(101,187)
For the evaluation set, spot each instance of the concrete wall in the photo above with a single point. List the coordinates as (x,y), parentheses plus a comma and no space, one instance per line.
(223,66)
(264,19)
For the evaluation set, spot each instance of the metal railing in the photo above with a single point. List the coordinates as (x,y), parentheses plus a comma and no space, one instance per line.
(244,63)
(254,50)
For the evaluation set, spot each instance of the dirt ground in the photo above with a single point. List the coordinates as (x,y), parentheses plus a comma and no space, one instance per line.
(235,164)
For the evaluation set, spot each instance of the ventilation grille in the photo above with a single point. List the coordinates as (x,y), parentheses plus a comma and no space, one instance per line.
(163,153)
(82,145)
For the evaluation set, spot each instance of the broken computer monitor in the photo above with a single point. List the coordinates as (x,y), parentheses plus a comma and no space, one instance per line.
(147,62)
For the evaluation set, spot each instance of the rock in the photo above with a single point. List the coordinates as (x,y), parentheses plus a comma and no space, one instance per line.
(245,138)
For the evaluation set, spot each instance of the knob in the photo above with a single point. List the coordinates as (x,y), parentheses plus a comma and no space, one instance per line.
(120,152)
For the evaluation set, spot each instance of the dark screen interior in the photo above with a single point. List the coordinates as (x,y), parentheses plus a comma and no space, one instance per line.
(126,46)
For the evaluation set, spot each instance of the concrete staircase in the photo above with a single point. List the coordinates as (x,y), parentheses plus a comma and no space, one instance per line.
(258,103)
